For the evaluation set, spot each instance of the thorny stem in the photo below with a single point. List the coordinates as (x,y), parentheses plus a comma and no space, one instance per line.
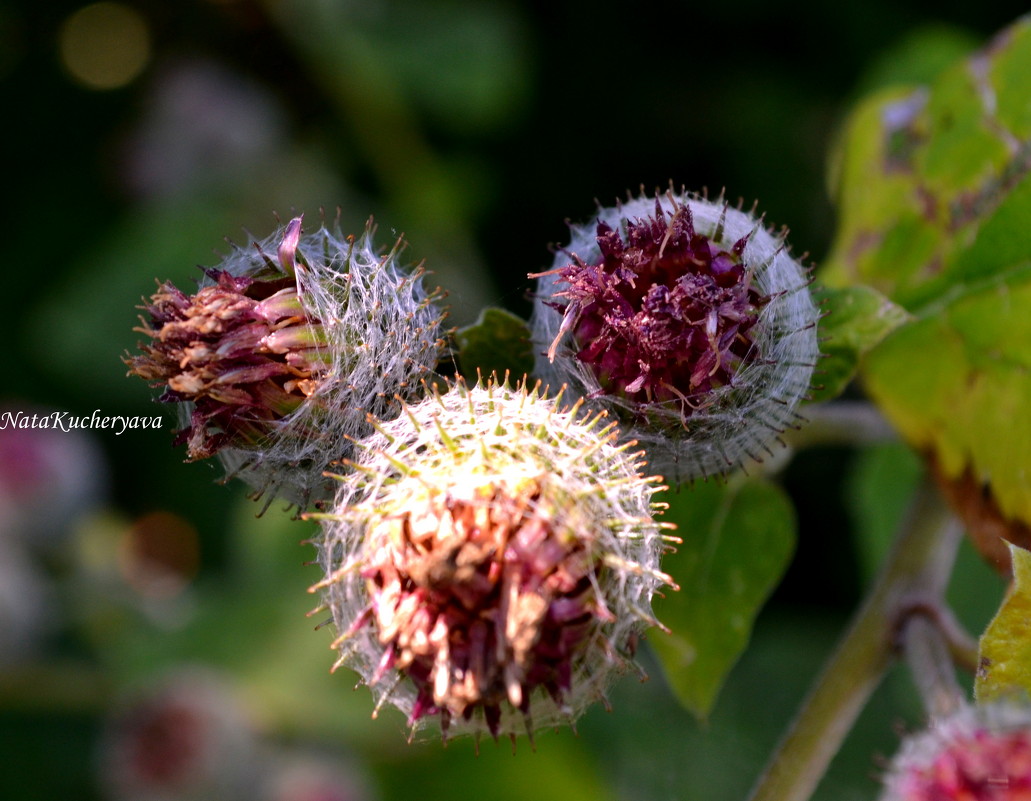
(917,569)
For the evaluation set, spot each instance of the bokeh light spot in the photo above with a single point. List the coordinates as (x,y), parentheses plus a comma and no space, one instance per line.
(159,555)
(105,45)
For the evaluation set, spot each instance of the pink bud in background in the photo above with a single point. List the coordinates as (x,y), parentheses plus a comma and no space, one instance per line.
(304,777)
(184,738)
(49,477)
(978,754)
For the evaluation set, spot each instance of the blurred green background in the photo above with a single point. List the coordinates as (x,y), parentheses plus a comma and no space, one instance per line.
(139,134)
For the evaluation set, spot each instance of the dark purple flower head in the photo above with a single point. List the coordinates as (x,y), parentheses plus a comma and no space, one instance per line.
(277,360)
(243,350)
(665,314)
(687,319)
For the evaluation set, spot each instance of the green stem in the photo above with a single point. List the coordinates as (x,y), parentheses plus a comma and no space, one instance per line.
(841,423)
(964,649)
(931,666)
(917,569)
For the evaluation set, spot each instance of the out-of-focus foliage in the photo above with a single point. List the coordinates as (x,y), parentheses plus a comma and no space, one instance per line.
(880,486)
(934,197)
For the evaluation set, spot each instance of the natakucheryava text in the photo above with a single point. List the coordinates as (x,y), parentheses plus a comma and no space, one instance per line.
(65,421)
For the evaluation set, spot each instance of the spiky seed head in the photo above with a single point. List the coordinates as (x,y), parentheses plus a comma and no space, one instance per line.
(686,318)
(977,754)
(277,360)
(491,560)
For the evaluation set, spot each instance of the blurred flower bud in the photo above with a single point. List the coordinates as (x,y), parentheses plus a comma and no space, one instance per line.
(977,754)
(279,362)
(26,604)
(182,739)
(491,560)
(201,124)
(49,477)
(297,777)
(686,318)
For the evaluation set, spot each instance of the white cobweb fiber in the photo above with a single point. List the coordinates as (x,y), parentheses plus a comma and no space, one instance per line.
(738,422)
(384,335)
(590,487)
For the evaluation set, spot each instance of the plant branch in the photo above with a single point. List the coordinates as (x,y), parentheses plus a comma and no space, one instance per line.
(917,567)
(930,665)
(841,423)
(963,648)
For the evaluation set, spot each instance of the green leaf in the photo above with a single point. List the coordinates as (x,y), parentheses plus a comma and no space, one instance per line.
(1005,659)
(959,383)
(935,195)
(856,319)
(738,540)
(497,342)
